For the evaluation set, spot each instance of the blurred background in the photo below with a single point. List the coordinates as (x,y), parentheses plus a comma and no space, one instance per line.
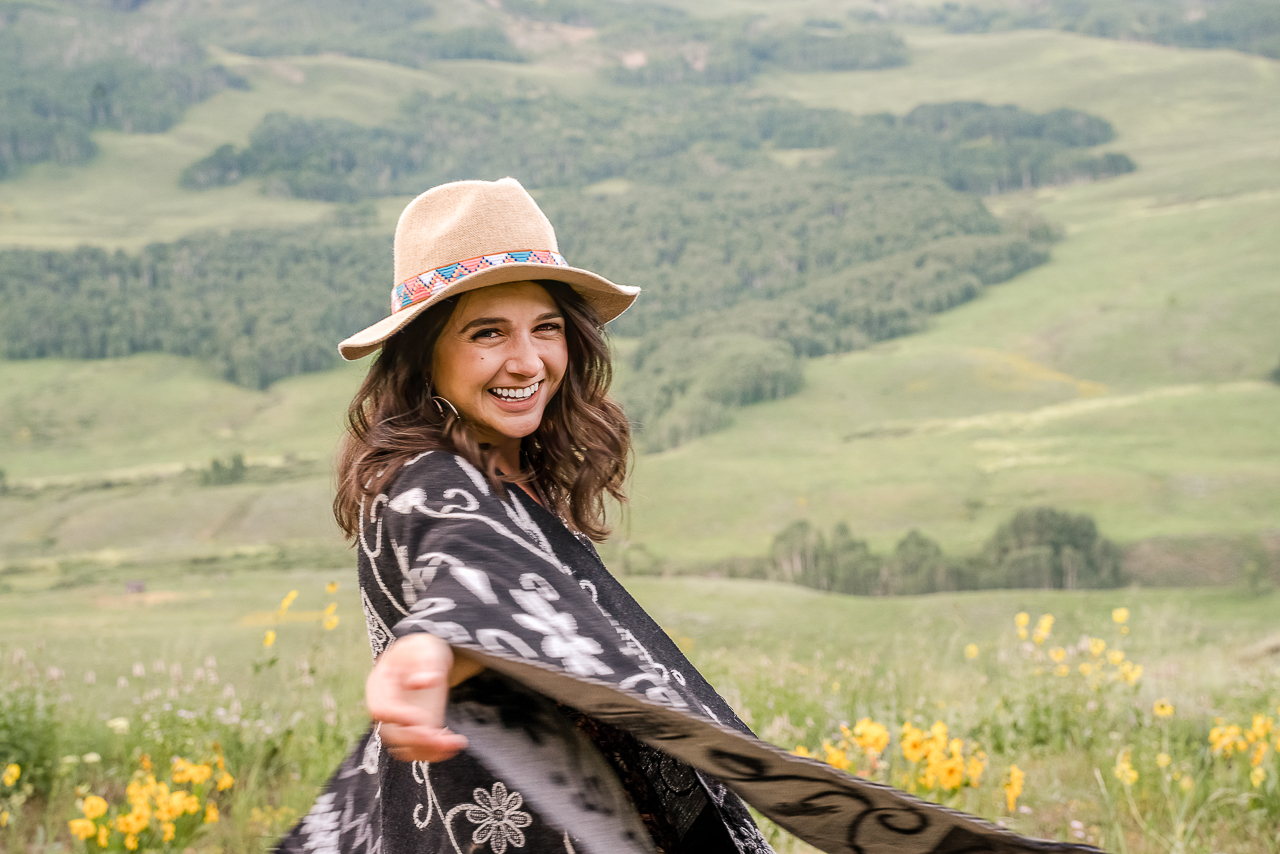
(951,312)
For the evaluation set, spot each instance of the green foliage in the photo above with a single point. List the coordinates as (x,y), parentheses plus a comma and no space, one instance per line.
(257,306)
(1038,548)
(1274,376)
(28,734)
(1252,26)
(50,102)
(221,474)
(1045,547)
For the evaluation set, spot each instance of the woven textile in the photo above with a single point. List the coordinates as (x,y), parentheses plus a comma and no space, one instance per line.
(421,287)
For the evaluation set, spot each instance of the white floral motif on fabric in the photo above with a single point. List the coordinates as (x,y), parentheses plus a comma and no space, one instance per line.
(561,641)
(499,818)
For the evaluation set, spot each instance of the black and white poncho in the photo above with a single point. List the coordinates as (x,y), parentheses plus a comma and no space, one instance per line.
(590,733)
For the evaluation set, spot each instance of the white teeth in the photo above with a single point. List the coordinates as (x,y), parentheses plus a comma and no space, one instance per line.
(516,393)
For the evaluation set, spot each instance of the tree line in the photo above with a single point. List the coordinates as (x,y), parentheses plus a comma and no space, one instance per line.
(1038,547)
(665,138)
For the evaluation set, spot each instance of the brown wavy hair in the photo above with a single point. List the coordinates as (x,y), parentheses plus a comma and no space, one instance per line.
(578,455)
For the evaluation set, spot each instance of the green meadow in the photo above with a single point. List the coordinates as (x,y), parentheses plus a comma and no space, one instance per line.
(1126,378)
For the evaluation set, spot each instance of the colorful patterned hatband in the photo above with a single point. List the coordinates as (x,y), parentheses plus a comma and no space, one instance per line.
(421,287)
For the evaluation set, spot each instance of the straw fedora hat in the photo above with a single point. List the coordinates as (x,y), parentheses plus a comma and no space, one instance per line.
(470,234)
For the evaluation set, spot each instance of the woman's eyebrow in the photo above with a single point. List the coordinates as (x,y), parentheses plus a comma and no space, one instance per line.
(485,321)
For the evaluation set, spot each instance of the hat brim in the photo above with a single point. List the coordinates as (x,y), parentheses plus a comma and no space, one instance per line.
(608,299)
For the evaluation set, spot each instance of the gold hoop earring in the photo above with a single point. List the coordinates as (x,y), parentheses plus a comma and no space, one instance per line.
(440,404)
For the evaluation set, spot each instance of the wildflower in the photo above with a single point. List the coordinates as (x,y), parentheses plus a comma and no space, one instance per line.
(94,807)
(801,750)
(1057,654)
(971,651)
(225,781)
(914,745)
(1085,668)
(1163,760)
(269,638)
(331,622)
(1261,728)
(288,600)
(1257,775)
(1044,628)
(1187,783)
(1124,769)
(120,726)
(1061,670)
(1013,787)
(1259,753)
(211,813)
(1162,708)
(1115,657)
(1120,615)
(82,828)
(144,762)
(104,833)
(4,818)
(1021,620)
(169,830)
(11,774)
(1097,646)
(131,841)
(871,736)
(331,588)
(1130,672)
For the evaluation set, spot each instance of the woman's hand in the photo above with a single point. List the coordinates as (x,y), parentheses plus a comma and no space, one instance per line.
(407,691)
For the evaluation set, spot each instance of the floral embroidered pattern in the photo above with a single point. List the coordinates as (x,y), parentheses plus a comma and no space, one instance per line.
(498,817)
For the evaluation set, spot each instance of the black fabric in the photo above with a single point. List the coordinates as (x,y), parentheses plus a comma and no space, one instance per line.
(506,581)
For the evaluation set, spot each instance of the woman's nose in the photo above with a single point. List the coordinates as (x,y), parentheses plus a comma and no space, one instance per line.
(524,360)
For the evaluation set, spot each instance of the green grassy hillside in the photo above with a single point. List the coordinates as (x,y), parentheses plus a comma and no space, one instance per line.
(1123,378)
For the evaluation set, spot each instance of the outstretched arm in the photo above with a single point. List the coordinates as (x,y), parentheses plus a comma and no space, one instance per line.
(407,691)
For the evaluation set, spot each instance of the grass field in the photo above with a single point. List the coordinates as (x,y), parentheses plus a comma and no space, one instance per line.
(794,663)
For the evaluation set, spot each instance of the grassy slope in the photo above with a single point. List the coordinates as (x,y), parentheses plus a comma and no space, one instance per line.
(1132,306)
(1166,278)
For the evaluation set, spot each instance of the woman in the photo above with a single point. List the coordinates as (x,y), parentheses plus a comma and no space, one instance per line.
(522,700)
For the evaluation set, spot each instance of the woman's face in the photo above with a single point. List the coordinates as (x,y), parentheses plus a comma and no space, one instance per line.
(500,359)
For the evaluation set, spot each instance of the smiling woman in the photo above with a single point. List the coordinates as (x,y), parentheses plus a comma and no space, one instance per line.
(521,698)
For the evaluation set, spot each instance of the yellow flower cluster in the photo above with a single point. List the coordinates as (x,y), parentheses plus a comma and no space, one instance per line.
(1226,739)
(945,765)
(156,810)
(1124,769)
(11,774)
(1013,787)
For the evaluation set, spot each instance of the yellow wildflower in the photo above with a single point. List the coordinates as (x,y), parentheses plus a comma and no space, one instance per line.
(1061,670)
(1187,783)
(199,773)
(331,588)
(1044,628)
(288,600)
(1124,769)
(914,744)
(971,651)
(1085,668)
(193,804)
(82,828)
(94,807)
(835,757)
(951,772)
(4,818)
(330,609)
(269,638)
(1259,753)
(1163,760)
(1130,672)
(1257,775)
(1224,738)
(144,762)
(131,841)
(871,736)
(1097,646)
(168,831)
(331,622)
(1120,615)
(801,750)
(1021,620)
(1261,728)
(1057,654)
(210,813)
(1013,787)
(225,781)
(11,774)
(1115,656)
(104,833)
(1162,708)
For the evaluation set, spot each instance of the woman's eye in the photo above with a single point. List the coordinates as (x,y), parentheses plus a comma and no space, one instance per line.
(550,327)
(485,334)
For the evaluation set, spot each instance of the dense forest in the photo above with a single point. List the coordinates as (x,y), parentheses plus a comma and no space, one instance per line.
(1252,26)
(1038,547)
(659,139)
